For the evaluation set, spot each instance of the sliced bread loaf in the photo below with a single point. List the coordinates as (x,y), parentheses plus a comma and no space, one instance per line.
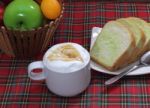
(145,28)
(112,46)
(139,38)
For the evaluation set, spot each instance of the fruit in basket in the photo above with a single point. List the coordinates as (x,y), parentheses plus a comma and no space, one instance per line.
(1,12)
(23,15)
(51,8)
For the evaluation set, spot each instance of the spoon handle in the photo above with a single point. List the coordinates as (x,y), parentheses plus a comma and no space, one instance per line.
(117,77)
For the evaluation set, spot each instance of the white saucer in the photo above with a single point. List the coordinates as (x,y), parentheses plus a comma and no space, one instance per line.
(140,71)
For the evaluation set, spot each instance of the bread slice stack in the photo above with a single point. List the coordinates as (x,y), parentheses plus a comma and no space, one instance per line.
(121,42)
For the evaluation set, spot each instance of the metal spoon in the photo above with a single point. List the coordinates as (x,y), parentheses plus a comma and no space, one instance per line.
(144,61)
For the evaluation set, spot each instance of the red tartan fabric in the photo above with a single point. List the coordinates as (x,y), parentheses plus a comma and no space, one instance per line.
(18,91)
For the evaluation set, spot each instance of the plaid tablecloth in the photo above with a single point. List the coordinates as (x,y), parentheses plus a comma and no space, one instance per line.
(18,91)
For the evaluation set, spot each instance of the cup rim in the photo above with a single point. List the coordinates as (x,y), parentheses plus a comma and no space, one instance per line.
(82,67)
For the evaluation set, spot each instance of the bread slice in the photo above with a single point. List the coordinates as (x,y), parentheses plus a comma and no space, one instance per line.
(112,46)
(145,28)
(139,38)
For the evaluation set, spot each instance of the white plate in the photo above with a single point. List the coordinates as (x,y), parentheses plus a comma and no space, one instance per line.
(140,71)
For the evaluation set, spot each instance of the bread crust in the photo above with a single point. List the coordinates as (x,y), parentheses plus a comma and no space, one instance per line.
(144,23)
(140,45)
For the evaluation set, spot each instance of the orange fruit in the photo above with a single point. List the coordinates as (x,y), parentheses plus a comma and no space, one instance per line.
(51,8)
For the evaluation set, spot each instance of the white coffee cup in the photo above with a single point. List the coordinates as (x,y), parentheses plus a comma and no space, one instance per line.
(71,81)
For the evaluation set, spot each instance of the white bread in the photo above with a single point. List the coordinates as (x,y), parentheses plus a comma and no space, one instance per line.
(113,45)
(138,35)
(145,28)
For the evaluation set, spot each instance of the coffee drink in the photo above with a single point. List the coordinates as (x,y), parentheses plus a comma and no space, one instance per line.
(65,69)
(66,57)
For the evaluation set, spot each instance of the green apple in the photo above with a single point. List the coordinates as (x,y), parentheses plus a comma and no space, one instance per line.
(23,15)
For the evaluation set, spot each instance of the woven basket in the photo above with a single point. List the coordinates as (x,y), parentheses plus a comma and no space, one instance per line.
(27,44)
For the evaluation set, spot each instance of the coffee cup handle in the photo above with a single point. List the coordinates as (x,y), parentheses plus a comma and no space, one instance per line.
(33,75)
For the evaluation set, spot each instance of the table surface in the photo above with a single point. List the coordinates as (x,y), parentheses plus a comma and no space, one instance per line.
(18,91)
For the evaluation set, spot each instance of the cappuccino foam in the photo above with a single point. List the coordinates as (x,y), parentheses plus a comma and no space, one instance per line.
(66,57)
